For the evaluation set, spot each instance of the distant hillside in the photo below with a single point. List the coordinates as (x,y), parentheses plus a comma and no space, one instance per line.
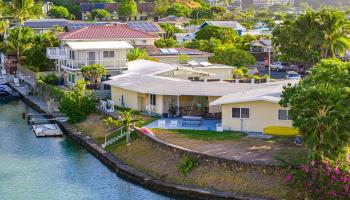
(335,3)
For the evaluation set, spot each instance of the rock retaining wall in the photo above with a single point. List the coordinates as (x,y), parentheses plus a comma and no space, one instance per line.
(234,165)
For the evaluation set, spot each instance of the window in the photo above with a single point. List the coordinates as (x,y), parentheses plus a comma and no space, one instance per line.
(283,115)
(242,113)
(71,55)
(152,99)
(144,41)
(108,54)
(71,78)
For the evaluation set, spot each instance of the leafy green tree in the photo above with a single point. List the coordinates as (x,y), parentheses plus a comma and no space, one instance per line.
(78,104)
(205,45)
(233,56)
(93,72)
(72,7)
(127,9)
(21,44)
(22,10)
(319,108)
(225,34)
(161,7)
(99,14)
(202,13)
(35,56)
(137,53)
(165,43)
(183,58)
(129,119)
(169,30)
(179,10)
(60,12)
(218,10)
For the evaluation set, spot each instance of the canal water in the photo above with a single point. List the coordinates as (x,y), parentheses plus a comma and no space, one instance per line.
(54,168)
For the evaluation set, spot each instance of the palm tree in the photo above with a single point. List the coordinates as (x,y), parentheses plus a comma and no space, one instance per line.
(4,24)
(335,29)
(129,118)
(22,10)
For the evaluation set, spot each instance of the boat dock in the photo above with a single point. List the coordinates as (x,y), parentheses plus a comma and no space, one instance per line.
(47,130)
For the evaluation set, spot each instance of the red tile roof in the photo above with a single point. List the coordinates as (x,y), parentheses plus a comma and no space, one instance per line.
(115,31)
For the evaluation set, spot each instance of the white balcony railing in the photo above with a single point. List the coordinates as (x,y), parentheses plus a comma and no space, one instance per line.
(108,63)
(56,53)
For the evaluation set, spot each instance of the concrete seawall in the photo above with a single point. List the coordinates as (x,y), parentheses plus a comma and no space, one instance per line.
(129,173)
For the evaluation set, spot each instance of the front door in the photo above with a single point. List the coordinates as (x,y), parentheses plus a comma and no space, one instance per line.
(91,58)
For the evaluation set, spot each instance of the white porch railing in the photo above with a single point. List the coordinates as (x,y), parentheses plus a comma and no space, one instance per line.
(108,63)
(56,53)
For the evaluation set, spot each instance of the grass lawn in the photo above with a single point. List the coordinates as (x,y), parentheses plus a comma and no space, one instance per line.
(203,134)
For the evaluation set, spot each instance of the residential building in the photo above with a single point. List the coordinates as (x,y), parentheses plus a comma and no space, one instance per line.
(145,10)
(253,110)
(261,49)
(73,55)
(177,22)
(45,25)
(113,32)
(155,88)
(230,24)
(264,3)
(173,55)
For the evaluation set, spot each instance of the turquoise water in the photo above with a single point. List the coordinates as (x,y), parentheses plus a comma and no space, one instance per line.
(53,168)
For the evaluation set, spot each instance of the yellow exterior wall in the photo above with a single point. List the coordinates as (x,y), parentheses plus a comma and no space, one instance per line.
(262,114)
(131,99)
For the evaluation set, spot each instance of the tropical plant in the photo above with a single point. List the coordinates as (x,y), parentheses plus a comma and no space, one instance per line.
(93,72)
(165,43)
(13,43)
(22,10)
(179,10)
(4,24)
(78,104)
(99,14)
(319,109)
(137,53)
(51,78)
(187,164)
(128,119)
(60,12)
(169,30)
(320,180)
(161,7)
(127,9)
(72,7)
(183,58)
(233,56)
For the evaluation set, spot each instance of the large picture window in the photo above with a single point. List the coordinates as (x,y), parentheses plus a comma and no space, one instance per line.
(241,113)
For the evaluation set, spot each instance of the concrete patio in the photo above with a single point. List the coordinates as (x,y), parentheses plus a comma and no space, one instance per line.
(207,124)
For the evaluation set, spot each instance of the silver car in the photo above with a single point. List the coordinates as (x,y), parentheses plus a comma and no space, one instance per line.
(292,75)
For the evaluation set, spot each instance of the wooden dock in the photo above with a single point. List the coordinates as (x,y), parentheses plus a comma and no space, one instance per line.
(47,130)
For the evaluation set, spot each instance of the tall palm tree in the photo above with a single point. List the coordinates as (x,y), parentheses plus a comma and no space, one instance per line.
(22,10)
(335,29)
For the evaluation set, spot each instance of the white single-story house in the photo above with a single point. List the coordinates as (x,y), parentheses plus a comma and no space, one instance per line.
(229,24)
(253,110)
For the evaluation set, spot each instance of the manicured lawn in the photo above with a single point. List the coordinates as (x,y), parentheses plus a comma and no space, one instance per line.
(204,134)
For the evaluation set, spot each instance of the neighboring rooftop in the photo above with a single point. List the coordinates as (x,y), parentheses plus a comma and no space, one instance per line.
(149,27)
(76,25)
(46,23)
(230,24)
(154,51)
(262,43)
(149,84)
(109,32)
(148,67)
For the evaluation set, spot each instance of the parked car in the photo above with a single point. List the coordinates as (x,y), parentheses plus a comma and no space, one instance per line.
(292,75)
(278,66)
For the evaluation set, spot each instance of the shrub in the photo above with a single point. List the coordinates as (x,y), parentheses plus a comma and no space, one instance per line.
(51,78)
(77,105)
(320,180)
(186,165)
